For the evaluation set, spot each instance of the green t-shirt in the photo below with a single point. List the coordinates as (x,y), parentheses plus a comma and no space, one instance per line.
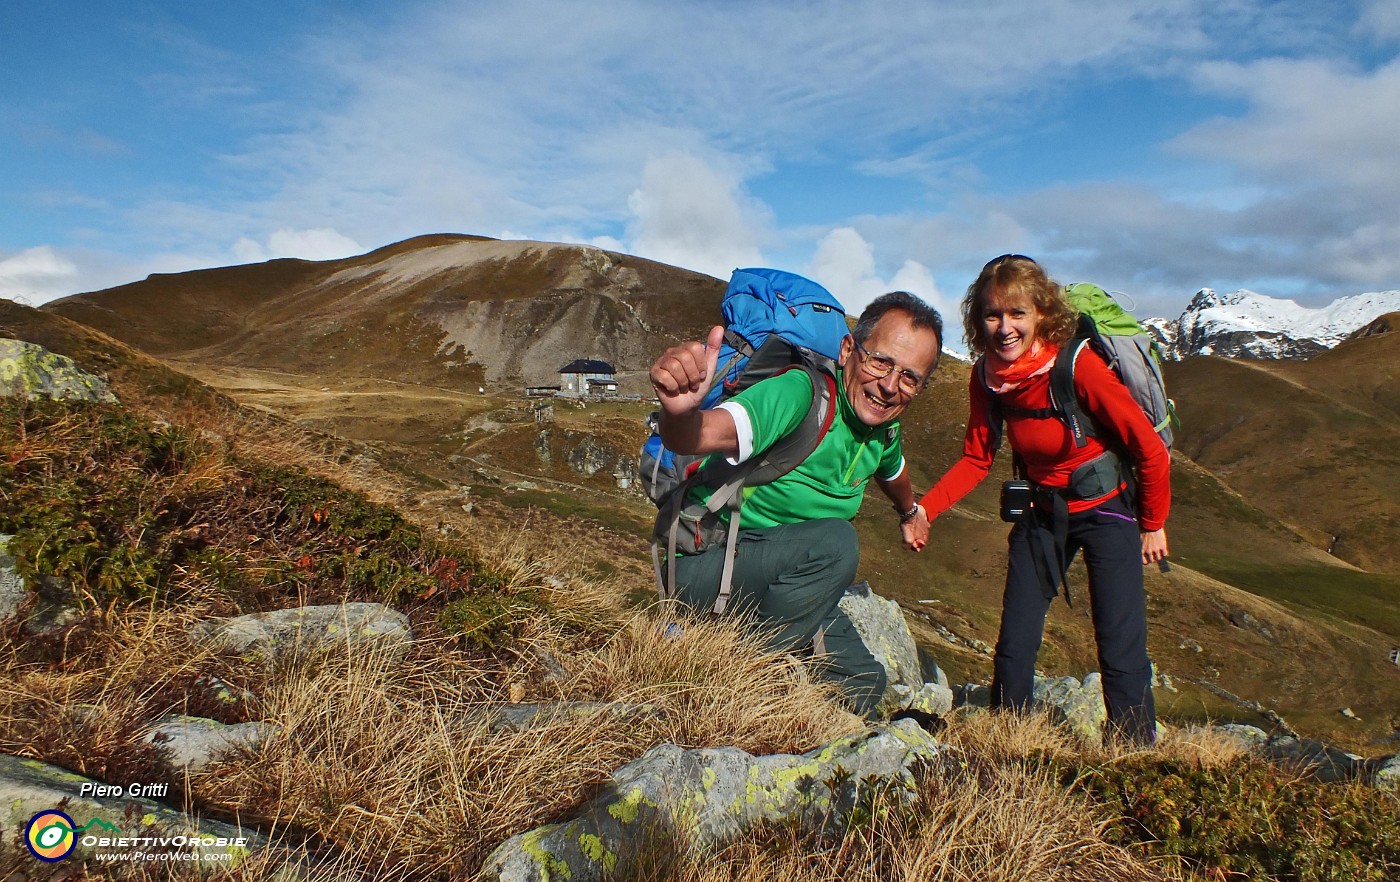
(831,482)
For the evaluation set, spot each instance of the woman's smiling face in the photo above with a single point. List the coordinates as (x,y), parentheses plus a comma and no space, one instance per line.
(1009,324)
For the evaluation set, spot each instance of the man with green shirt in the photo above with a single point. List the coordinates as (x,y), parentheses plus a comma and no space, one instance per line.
(797,551)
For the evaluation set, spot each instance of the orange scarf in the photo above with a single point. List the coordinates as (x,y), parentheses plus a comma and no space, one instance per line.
(1003,376)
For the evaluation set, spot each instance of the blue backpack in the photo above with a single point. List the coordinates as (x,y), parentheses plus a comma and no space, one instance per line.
(774,321)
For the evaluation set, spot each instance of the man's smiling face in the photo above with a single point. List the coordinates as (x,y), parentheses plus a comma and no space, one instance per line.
(878,400)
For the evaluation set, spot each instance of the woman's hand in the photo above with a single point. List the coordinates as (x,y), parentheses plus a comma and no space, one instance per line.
(1154,546)
(915,531)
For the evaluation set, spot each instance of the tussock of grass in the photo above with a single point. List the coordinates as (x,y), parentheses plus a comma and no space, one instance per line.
(84,699)
(716,686)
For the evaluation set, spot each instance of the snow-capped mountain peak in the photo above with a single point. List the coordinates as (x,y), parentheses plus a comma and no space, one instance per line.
(1246,324)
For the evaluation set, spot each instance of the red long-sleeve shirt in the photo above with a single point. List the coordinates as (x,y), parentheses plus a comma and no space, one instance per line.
(1048,448)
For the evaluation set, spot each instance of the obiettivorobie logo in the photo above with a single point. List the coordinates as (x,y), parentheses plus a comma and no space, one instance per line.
(52,835)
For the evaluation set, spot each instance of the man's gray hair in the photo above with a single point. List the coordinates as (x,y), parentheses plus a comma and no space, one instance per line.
(920,314)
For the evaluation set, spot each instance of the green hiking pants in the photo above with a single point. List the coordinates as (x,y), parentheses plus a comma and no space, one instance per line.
(789,579)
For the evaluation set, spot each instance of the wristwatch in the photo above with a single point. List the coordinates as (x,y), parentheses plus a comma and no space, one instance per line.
(907,516)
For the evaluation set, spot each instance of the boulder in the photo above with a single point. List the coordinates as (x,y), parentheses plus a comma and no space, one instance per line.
(30,371)
(96,811)
(311,630)
(192,743)
(1077,705)
(1387,772)
(884,631)
(705,798)
(55,606)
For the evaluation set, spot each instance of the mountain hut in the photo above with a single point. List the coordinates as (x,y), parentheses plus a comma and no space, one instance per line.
(585,377)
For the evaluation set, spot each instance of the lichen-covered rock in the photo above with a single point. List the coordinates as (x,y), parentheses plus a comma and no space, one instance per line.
(1387,772)
(884,631)
(311,630)
(705,798)
(192,743)
(931,698)
(29,371)
(29,787)
(1078,705)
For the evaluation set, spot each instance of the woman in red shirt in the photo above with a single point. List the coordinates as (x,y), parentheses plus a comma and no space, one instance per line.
(1016,318)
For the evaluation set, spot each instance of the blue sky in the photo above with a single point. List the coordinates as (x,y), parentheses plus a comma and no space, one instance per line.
(1155,147)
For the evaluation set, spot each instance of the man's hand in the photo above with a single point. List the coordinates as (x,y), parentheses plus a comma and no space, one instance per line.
(1154,546)
(682,375)
(915,531)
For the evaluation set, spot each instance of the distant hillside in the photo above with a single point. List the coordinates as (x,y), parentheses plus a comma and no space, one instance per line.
(446,309)
(1316,443)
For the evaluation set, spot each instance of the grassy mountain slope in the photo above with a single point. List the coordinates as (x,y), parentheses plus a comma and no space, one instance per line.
(1315,443)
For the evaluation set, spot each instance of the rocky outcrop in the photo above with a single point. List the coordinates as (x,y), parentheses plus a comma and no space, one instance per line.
(12,587)
(705,798)
(311,630)
(31,371)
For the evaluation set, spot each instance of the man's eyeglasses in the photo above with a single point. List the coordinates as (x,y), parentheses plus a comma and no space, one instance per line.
(879,366)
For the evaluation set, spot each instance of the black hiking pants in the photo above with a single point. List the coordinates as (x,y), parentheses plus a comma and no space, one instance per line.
(1112,545)
(789,579)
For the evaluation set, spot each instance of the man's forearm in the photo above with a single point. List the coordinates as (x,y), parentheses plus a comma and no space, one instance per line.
(700,432)
(899,490)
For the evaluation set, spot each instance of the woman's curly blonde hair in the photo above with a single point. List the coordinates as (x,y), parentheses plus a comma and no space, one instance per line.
(1018,275)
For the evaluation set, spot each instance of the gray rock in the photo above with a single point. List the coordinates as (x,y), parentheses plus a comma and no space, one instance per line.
(29,787)
(1250,738)
(1242,619)
(973,695)
(12,588)
(931,698)
(55,608)
(1078,705)
(1318,759)
(1387,772)
(192,743)
(706,798)
(884,631)
(310,629)
(29,371)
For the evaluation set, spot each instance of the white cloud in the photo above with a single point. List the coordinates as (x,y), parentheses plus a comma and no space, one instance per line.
(1309,120)
(317,244)
(35,275)
(845,264)
(691,214)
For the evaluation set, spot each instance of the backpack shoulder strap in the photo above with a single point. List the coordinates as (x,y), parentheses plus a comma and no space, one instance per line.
(1063,399)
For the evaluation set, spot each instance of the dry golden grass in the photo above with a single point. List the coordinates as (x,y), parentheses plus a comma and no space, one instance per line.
(89,713)
(716,686)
